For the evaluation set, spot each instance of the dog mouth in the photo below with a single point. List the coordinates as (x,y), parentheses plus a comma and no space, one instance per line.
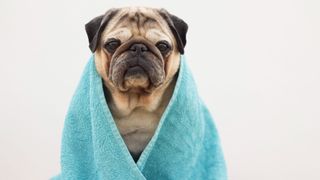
(137,73)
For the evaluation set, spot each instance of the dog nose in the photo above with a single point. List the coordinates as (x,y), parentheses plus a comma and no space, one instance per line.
(138,48)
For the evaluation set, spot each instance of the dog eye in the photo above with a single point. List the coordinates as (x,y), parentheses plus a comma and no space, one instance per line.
(112,44)
(163,46)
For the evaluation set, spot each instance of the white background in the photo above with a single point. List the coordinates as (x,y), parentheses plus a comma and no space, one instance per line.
(256,64)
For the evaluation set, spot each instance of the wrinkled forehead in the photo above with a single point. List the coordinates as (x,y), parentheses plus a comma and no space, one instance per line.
(132,21)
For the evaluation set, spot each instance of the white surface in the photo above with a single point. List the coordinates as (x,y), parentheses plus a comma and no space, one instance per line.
(256,64)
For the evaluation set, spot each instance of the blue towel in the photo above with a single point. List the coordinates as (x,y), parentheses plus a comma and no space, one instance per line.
(185,144)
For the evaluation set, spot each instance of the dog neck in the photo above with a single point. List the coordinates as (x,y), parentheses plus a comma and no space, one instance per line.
(137,115)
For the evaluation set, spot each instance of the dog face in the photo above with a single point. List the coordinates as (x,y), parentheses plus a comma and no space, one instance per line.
(136,49)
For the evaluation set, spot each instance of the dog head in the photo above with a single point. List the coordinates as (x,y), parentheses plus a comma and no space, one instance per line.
(136,49)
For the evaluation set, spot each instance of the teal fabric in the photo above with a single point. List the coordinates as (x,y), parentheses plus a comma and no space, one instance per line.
(185,145)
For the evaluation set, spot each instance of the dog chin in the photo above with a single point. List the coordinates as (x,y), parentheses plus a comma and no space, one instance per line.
(136,79)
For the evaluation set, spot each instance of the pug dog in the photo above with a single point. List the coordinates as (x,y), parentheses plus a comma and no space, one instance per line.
(137,54)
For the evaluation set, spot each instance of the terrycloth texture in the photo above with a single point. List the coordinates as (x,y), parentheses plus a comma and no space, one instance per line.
(184,146)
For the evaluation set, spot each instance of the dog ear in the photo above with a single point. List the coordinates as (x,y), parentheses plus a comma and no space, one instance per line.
(178,28)
(95,27)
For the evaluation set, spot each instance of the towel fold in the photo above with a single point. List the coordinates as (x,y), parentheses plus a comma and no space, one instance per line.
(184,146)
